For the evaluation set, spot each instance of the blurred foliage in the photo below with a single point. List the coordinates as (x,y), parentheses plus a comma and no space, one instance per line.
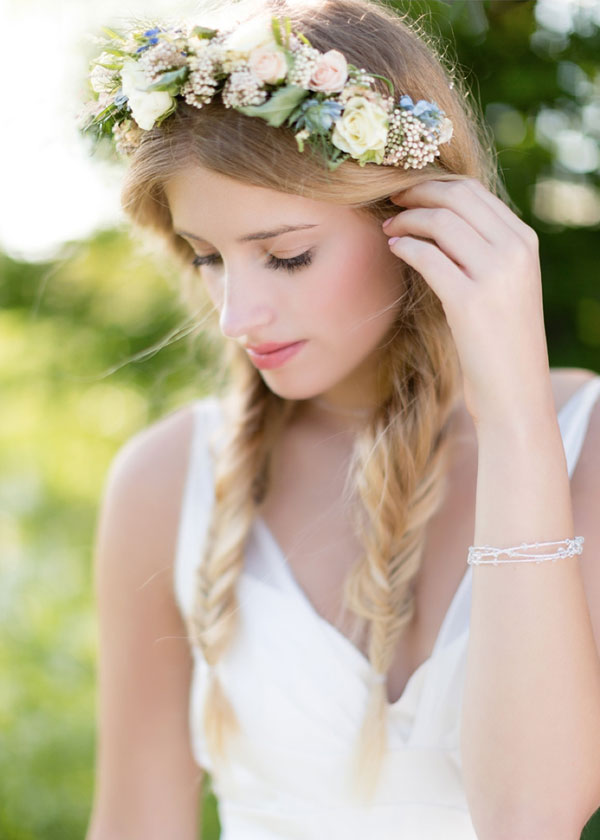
(92,351)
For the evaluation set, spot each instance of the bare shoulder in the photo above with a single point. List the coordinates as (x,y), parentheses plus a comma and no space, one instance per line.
(144,661)
(154,459)
(150,470)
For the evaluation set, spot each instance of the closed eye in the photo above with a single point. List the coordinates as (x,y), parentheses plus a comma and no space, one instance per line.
(291,264)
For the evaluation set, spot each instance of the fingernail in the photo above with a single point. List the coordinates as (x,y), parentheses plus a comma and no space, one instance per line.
(393,239)
(387,221)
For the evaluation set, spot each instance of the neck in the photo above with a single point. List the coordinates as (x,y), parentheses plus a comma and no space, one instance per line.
(342,411)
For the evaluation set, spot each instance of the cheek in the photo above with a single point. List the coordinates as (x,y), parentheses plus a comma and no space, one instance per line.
(361,283)
(212,286)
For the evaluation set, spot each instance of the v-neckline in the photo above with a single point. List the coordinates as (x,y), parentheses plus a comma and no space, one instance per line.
(281,558)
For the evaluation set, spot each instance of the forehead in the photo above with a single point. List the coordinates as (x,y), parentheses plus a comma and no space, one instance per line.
(204,201)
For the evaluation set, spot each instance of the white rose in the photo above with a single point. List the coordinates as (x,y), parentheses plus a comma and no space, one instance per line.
(445,130)
(330,72)
(145,106)
(362,128)
(252,33)
(103,79)
(268,64)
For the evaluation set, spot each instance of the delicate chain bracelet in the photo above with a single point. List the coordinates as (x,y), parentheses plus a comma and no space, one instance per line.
(574,546)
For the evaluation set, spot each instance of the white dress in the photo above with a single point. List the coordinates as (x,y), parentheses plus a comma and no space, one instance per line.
(298,687)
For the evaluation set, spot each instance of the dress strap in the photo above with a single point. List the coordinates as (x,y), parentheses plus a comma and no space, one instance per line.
(196,503)
(574,418)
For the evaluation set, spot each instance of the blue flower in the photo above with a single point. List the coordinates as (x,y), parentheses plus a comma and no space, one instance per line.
(427,112)
(318,117)
(150,34)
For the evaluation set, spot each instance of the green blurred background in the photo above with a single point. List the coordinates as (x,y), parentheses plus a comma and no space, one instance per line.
(92,349)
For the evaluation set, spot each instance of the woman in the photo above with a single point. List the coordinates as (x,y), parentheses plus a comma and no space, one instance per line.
(387,401)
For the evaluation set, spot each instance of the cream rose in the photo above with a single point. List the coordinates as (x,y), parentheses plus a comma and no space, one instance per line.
(330,72)
(362,128)
(268,64)
(253,33)
(146,106)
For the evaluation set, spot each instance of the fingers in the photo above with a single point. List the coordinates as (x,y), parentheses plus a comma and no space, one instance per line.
(457,239)
(445,278)
(467,197)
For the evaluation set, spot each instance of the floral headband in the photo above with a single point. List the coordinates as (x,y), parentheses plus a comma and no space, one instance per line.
(262,69)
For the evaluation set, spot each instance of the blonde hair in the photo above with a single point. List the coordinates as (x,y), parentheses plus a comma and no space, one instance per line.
(400,458)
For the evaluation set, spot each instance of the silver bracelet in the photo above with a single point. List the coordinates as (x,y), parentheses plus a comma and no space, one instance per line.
(574,546)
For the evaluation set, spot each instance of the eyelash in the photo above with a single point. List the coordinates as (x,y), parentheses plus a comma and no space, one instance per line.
(292,264)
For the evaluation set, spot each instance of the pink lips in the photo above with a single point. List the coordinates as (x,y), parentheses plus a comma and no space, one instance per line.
(271,355)
(268,347)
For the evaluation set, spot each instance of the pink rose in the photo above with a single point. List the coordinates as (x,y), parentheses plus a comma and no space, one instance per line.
(330,73)
(268,64)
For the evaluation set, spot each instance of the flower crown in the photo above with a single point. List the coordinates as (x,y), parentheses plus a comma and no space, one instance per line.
(262,69)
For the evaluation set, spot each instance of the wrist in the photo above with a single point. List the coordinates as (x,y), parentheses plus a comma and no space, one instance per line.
(520,419)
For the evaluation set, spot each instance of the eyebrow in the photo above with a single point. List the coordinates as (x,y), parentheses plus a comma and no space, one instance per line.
(262,234)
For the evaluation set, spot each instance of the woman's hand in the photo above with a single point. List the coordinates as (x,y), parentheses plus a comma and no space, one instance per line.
(482,261)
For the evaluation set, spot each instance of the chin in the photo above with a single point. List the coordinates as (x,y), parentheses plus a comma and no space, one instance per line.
(294,390)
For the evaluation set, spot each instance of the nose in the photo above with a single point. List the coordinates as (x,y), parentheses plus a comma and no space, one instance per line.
(243,311)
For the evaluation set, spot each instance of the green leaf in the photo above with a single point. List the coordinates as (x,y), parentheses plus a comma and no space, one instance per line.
(203,32)
(117,51)
(170,81)
(332,165)
(107,113)
(386,80)
(276,109)
(114,35)
(276,30)
(166,114)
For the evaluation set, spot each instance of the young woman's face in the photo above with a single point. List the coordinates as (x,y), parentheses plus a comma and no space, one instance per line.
(338,303)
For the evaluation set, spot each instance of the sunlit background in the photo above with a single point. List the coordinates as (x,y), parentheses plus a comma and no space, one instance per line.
(91,349)
(52,190)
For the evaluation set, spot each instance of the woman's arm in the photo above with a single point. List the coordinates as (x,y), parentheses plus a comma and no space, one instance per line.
(530,729)
(531,712)
(147,783)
